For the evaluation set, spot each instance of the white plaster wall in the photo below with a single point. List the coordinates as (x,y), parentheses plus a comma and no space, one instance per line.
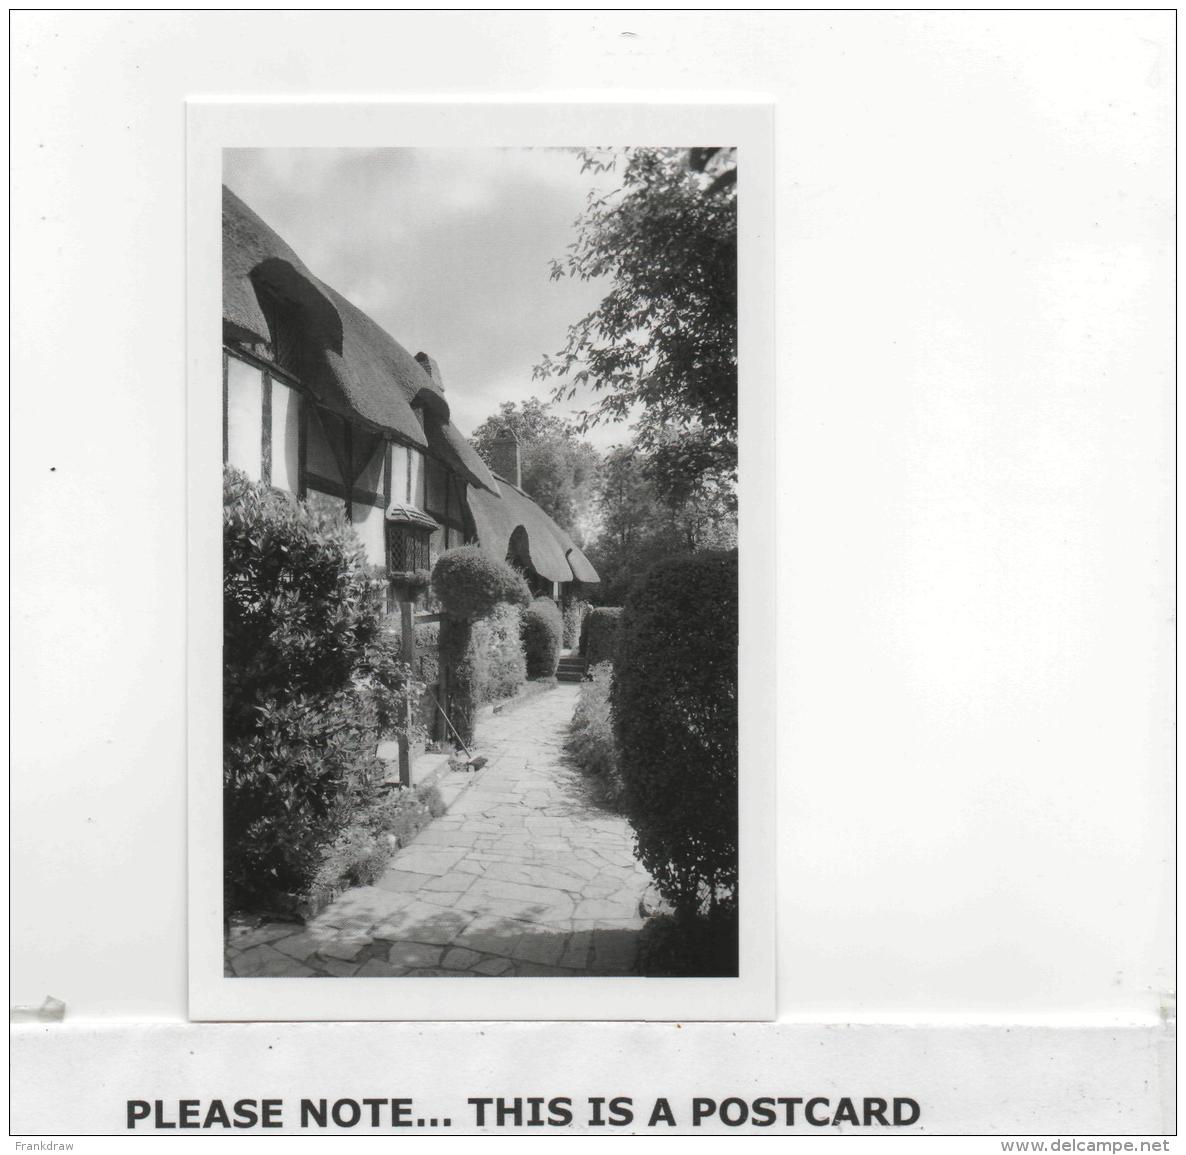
(245,417)
(286,433)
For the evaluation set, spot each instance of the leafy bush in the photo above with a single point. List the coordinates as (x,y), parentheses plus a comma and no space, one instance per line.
(426,672)
(485,662)
(543,629)
(590,739)
(704,947)
(469,583)
(310,684)
(574,615)
(674,701)
(479,643)
(390,821)
(496,653)
(288,787)
(599,634)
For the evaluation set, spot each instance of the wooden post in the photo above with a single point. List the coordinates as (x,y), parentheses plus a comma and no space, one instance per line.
(442,689)
(407,625)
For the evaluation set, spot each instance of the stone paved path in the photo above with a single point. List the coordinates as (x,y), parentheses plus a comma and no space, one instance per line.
(523,876)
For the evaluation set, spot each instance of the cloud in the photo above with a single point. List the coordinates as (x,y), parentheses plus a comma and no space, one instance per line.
(447,249)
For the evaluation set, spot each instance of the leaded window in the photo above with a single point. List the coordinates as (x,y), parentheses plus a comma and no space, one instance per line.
(407,548)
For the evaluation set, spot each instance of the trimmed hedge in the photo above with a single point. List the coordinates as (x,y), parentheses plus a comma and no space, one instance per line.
(480,631)
(543,629)
(674,703)
(469,583)
(496,656)
(310,685)
(599,634)
(574,617)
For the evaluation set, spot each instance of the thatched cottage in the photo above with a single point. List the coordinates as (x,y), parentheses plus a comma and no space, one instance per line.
(320,401)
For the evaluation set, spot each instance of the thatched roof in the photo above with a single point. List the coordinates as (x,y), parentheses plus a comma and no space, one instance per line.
(459,455)
(356,368)
(551,552)
(355,365)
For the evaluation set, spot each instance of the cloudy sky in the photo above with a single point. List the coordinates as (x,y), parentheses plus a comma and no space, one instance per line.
(447,249)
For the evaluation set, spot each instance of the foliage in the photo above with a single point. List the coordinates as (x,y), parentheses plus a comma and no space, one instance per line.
(703,946)
(311,683)
(590,739)
(426,672)
(469,583)
(674,702)
(642,524)
(362,851)
(599,634)
(485,661)
(496,653)
(289,787)
(559,470)
(543,631)
(574,615)
(300,608)
(664,337)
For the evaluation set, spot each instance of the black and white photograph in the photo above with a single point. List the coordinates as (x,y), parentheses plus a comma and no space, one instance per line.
(480,562)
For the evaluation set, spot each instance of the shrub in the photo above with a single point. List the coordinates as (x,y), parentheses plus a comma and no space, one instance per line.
(599,634)
(299,607)
(485,662)
(479,645)
(496,652)
(287,788)
(674,701)
(543,629)
(574,616)
(388,822)
(689,948)
(426,672)
(469,583)
(590,739)
(310,684)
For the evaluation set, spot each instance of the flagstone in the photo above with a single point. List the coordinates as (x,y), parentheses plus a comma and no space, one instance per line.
(337,968)
(413,954)
(245,937)
(459,958)
(403,881)
(493,966)
(428,859)
(523,876)
(377,968)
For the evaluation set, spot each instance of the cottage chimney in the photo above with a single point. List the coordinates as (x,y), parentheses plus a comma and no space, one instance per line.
(429,365)
(506,456)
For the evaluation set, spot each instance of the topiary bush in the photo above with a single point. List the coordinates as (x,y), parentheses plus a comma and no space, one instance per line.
(479,641)
(574,615)
(674,702)
(599,634)
(543,630)
(310,684)
(496,653)
(469,583)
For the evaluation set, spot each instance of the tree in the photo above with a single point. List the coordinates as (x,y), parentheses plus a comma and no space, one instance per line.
(559,469)
(641,524)
(664,338)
